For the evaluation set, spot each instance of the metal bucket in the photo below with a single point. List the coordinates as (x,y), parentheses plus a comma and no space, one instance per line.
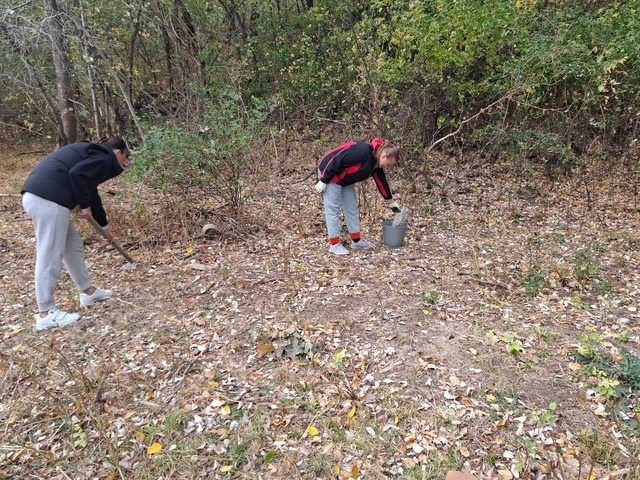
(393,236)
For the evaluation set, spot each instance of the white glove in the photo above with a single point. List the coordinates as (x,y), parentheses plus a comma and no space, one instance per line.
(321,187)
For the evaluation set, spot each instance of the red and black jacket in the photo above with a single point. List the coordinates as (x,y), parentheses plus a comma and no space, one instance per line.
(353,162)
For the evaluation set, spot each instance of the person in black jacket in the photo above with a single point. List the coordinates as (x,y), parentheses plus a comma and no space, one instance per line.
(66,179)
(339,171)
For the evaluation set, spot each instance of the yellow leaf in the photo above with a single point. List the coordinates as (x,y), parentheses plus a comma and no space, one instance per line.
(189,250)
(127,414)
(490,398)
(112,475)
(336,469)
(313,431)
(355,472)
(107,408)
(320,325)
(226,468)
(213,384)
(590,328)
(139,436)
(226,409)
(16,331)
(155,448)
(352,412)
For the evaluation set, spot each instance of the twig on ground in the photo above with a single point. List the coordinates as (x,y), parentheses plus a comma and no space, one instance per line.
(492,284)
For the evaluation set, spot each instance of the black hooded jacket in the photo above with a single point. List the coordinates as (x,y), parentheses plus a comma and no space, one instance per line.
(70,177)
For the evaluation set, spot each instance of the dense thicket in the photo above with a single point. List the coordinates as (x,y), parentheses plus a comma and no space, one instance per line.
(537,77)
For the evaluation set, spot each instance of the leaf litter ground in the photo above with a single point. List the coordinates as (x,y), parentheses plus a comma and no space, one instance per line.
(253,353)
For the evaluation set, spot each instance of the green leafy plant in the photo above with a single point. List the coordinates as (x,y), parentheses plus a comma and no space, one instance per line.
(431,298)
(514,346)
(533,281)
(544,417)
(294,345)
(79,436)
(606,386)
(585,267)
(338,358)
(213,152)
(617,380)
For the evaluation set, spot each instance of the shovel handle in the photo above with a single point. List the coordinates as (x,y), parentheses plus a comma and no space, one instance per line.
(115,244)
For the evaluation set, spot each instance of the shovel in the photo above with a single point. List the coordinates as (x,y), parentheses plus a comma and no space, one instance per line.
(127,266)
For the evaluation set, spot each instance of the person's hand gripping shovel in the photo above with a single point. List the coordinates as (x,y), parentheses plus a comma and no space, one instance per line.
(130,265)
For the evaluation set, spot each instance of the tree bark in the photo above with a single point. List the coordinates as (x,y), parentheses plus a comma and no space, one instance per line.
(68,128)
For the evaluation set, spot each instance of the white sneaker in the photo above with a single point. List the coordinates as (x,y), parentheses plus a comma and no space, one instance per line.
(363,244)
(338,249)
(55,318)
(98,296)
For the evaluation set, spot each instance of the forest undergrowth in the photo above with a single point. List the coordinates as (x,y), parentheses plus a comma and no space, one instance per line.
(502,338)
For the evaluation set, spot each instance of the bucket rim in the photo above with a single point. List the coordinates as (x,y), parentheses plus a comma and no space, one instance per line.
(389,223)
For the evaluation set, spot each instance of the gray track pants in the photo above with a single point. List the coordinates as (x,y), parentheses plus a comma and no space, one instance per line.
(58,243)
(335,197)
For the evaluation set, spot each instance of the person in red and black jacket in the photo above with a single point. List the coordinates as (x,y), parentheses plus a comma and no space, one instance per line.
(66,179)
(339,171)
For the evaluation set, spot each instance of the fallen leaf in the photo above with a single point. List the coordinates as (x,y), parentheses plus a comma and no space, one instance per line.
(313,431)
(574,367)
(265,349)
(505,474)
(155,448)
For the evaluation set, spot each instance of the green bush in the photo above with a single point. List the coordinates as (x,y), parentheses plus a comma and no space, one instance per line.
(212,153)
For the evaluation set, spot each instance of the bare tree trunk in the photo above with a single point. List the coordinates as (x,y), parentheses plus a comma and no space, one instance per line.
(123,90)
(92,85)
(68,131)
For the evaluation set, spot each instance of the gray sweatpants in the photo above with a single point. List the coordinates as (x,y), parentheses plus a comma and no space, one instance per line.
(57,243)
(335,197)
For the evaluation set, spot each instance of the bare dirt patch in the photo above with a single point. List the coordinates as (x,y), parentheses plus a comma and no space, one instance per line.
(256,354)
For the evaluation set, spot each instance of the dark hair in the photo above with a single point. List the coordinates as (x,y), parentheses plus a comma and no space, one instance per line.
(115,143)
